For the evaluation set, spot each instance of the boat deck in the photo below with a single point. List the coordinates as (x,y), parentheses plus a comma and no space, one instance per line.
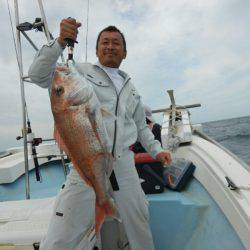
(186,220)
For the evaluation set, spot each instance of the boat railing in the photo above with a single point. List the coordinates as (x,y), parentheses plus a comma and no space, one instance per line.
(162,110)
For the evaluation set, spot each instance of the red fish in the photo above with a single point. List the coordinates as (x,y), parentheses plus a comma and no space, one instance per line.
(80,132)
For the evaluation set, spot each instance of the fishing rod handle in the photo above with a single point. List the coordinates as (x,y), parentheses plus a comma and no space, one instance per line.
(70,42)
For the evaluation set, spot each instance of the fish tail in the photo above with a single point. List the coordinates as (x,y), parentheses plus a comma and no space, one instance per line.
(107,209)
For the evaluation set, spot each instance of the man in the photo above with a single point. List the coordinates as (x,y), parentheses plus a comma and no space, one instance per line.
(74,211)
(155,128)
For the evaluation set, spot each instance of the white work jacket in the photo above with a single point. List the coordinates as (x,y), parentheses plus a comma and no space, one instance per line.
(126,106)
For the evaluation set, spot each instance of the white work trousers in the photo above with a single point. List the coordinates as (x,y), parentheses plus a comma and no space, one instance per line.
(73,220)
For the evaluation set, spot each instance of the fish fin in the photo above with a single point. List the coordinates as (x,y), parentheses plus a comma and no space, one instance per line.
(99,218)
(92,118)
(107,209)
(101,135)
(59,140)
(109,163)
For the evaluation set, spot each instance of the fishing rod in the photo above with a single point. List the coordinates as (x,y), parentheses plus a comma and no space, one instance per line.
(70,44)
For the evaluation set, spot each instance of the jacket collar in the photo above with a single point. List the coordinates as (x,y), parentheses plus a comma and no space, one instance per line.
(121,72)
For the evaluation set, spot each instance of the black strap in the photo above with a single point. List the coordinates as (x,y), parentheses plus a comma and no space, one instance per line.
(113,181)
(38,175)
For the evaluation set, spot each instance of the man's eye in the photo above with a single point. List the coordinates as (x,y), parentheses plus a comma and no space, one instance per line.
(117,44)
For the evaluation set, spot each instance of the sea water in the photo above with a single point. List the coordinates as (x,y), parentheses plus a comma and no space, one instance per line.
(233,134)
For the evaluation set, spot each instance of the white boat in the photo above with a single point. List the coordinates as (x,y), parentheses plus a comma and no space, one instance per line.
(12,160)
(211,212)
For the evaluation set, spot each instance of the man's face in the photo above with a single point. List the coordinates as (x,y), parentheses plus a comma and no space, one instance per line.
(110,50)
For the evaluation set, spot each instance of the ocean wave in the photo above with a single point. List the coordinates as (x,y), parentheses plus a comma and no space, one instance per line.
(232,137)
(233,134)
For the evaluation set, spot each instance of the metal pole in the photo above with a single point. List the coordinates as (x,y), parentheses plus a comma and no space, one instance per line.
(46,28)
(63,164)
(29,40)
(25,146)
(177,107)
(173,111)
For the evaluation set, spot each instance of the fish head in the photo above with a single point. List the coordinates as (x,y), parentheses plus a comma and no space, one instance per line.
(60,88)
(69,88)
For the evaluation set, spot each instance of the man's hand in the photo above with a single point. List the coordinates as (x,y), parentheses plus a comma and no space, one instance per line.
(68,29)
(164,157)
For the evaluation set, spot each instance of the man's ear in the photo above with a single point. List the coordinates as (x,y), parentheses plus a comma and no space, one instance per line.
(125,55)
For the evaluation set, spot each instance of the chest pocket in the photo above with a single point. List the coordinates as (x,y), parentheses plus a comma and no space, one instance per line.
(102,90)
(97,82)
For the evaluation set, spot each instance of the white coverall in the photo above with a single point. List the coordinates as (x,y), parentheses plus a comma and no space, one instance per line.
(73,219)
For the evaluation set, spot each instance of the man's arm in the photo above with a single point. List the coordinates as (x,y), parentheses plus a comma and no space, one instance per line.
(42,69)
(146,137)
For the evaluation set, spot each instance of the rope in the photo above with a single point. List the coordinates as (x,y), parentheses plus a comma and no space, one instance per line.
(87,32)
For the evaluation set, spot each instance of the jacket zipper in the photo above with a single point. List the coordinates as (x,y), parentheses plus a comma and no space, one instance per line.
(116,109)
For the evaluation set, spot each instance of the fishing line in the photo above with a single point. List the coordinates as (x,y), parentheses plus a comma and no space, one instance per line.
(13,36)
(87,32)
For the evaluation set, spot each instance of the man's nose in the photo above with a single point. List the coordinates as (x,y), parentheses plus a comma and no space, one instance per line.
(110,46)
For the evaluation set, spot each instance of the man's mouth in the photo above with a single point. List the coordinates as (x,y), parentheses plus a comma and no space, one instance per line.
(109,54)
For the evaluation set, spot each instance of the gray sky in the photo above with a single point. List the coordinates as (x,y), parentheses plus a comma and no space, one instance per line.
(198,48)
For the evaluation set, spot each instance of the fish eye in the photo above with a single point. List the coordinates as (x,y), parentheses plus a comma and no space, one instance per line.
(59,91)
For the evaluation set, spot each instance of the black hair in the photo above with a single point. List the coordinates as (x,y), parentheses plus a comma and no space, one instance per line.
(112,29)
(148,121)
